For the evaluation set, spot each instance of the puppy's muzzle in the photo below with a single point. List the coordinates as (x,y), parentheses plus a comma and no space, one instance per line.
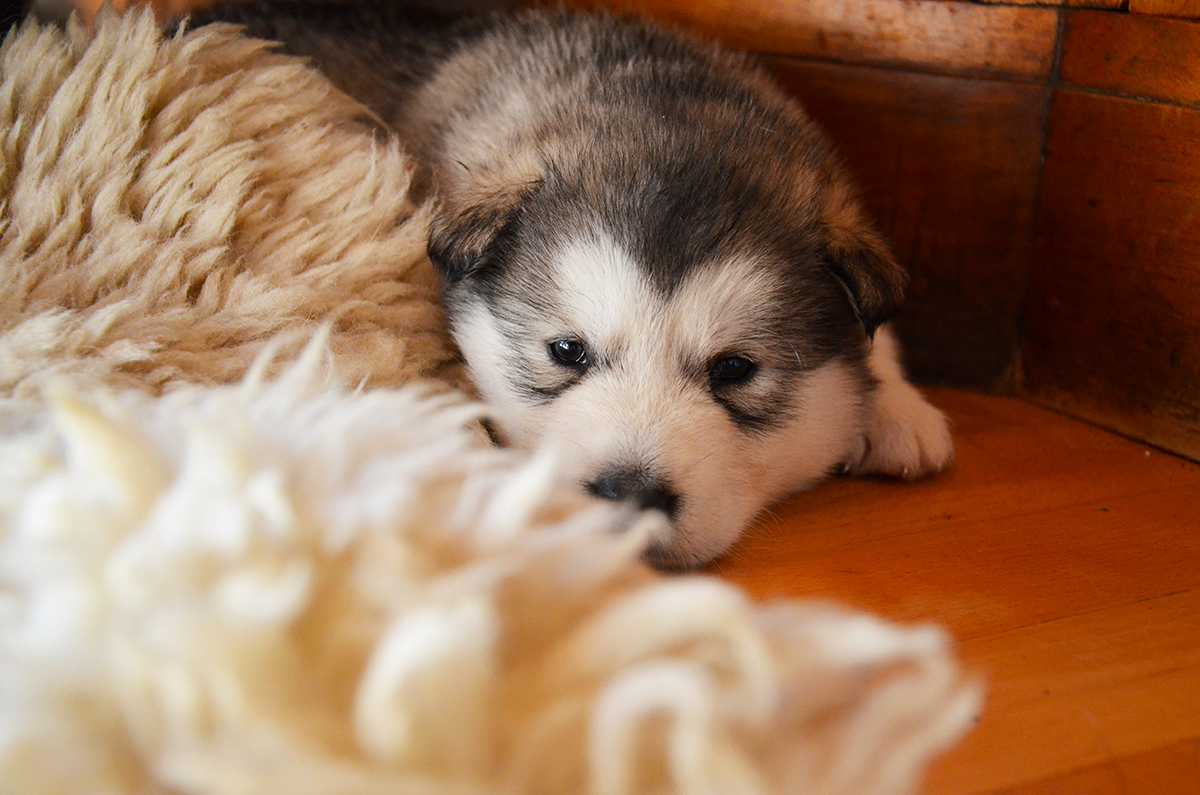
(636,486)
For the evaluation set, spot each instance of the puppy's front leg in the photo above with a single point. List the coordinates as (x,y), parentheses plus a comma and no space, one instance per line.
(903,435)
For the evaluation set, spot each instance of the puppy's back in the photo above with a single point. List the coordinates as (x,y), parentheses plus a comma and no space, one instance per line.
(375,52)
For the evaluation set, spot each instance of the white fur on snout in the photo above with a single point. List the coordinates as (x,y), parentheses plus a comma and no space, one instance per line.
(641,405)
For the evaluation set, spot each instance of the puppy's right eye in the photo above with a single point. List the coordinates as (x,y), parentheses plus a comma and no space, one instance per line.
(569,353)
(731,370)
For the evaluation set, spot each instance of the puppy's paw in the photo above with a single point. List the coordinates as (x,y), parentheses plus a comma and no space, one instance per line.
(904,436)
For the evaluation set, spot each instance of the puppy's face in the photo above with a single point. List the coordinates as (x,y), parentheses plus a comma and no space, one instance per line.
(704,401)
(700,354)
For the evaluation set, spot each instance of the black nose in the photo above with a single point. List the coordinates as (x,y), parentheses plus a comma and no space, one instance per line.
(636,486)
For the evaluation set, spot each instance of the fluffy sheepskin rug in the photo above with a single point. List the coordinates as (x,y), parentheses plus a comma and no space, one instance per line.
(168,206)
(224,574)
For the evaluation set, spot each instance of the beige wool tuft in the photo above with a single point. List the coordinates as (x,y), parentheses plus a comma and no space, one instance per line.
(166,206)
(286,588)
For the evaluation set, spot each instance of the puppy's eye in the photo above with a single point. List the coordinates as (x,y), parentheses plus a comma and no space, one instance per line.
(570,353)
(731,370)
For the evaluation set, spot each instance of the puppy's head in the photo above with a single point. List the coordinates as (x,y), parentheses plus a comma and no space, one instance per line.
(690,343)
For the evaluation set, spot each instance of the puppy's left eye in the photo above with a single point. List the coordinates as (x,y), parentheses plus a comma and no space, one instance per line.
(570,353)
(732,370)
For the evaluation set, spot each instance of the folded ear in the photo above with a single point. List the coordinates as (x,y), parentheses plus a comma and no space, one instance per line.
(860,259)
(476,211)
(464,233)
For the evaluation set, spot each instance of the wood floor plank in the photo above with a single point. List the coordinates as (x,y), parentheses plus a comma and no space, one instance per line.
(1066,561)
(982,577)
(1041,516)
(1174,769)
(1086,691)
(1011,458)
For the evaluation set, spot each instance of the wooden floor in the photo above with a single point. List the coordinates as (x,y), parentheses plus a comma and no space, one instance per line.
(1064,559)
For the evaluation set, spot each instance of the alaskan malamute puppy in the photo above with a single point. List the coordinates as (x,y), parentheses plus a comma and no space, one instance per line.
(651,257)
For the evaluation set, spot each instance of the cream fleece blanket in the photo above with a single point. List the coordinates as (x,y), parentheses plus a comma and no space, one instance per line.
(221,573)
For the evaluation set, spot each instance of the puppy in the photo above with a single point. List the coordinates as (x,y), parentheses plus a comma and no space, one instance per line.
(650,256)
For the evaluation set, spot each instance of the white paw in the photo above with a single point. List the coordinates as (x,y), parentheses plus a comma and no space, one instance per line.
(904,435)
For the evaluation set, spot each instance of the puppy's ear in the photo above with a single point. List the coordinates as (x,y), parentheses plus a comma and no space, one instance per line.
(860,259)
(476,212)
(464,233)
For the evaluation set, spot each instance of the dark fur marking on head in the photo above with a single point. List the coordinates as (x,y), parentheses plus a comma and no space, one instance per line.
(541,395)
(753,423)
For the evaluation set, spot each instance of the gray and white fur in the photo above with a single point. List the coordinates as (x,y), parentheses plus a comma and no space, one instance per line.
(651,258)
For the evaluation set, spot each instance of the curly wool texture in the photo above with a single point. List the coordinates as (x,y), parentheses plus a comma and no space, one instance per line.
(167,206)
(283,587)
